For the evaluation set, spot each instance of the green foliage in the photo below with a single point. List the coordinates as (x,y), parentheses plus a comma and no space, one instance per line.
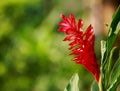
(115,74)
(102,67)
(31,57)
(73,84)
(110,80)
(94,86)
(114,85)
(113,32)
(109,70)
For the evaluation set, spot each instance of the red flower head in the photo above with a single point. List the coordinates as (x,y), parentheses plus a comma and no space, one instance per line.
(82,43)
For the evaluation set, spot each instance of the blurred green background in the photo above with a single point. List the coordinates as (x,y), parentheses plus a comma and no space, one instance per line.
(33,56)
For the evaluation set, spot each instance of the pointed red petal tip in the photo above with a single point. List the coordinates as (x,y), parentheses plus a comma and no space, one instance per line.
(63,17)
(80,23)
(72,16)
(81,43)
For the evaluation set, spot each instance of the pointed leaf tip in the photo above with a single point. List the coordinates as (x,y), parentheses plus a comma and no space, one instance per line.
(73,84)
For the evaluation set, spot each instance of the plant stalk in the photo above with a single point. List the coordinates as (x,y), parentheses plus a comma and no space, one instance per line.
(100,84)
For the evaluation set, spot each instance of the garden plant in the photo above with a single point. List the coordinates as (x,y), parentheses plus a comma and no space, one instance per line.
(107,73)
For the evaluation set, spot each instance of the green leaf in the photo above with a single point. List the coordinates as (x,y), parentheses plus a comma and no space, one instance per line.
(73,84)
(117,29)
(114,29)
(116,19)
(109,62)
(114,85)
(94,86)
(102,67)
(106,48)
(103,50)
(115,71)
(115,76)
(109,66)
(106,68)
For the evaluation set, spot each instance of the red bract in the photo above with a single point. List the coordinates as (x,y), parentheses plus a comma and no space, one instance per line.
(81,43)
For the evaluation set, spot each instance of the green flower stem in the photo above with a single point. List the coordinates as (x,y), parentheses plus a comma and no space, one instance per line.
(100,85)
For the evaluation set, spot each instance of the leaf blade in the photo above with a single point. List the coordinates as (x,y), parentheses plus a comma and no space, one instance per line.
(116,70)
(94,86)
(113,31)
(73,84)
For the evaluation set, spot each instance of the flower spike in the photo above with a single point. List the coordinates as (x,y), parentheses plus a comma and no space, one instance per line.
(81,43)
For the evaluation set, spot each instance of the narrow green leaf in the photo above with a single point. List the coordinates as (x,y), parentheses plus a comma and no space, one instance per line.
(94,86)
(109,62)
(73,84)
(113,31)
(115,71)
(108,68)
(115,76)
(116,19)
(102,68)
(114,85)
(103,50)
(117,29)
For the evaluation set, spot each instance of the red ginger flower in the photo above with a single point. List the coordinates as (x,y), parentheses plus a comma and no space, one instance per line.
(82,43)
